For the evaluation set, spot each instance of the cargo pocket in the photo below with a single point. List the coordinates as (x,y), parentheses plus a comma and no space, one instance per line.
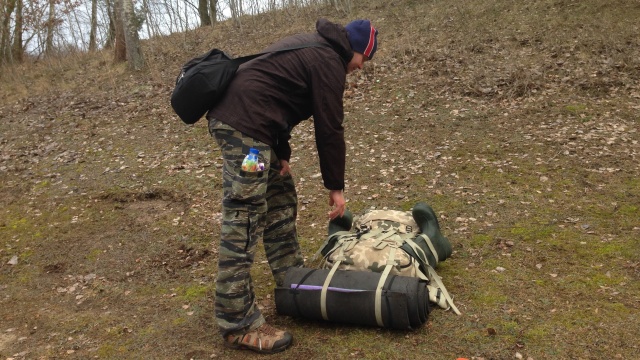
(249,188)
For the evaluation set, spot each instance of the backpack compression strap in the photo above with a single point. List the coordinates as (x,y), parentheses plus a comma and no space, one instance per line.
(339,259)
(394,240)
(391,262)
(325,286)
(390,237)
(433,276)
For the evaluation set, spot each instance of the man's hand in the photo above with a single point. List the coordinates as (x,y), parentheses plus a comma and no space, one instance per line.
(336,199)
(286,169)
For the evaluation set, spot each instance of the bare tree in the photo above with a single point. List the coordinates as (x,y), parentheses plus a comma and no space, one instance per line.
(203,12)
(74,27)
(342,5)
(208,12)
(94,25)
(17,50)
(120,47)
(50,28)
(235,7)
(153,26)
(254,6)
(171,14)
(5,34)
(46,26)
(213,11)
(111,27)
(129,27)
(2,17)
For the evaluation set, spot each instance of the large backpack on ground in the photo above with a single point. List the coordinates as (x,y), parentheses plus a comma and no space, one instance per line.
(203,81)
(387,242)
(381,274)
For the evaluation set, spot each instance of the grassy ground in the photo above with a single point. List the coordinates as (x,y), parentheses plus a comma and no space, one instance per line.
(517,122)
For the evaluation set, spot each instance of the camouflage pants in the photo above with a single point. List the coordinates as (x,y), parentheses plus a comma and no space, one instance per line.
(256,206)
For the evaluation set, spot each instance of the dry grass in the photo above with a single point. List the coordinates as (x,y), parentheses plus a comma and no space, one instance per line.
(517,122)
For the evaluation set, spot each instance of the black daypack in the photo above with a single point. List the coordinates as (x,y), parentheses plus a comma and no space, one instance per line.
(204,79)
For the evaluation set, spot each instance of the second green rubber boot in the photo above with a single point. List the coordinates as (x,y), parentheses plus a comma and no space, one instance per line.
(342,223)
(427,221)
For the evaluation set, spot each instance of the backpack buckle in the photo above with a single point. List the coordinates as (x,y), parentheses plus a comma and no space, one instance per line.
(363,229)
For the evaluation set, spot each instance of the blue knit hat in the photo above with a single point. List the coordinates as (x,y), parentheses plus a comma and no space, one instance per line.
(363,37)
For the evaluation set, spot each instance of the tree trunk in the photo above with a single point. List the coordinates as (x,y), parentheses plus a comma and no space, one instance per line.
(111,30)
(48,45)
(213,11)
(94,26)
(5,50)
(17,51)
(120,47)
(148,20)
(235,12)
(1,28)
(203,12)
(134,50)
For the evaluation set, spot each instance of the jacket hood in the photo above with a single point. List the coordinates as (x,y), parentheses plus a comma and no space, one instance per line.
(336,35)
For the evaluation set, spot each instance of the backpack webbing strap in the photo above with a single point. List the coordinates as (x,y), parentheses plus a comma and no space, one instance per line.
(325,286)
(295,290)
(340,235)
(376,217)
(431,247)
(419,252)
(371,233)
(435,292)
(394,240)
(323,293)
(378,299)
(436,297)
(435,277)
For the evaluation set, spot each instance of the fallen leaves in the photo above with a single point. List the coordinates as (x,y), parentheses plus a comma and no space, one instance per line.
(13,260)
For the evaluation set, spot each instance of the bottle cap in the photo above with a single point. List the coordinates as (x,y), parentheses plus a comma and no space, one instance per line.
(254,151)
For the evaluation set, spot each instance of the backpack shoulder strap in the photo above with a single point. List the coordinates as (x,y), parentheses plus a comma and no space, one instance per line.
(332,242)
(244,59)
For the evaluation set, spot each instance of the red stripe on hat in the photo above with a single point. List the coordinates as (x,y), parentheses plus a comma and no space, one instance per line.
(372,41)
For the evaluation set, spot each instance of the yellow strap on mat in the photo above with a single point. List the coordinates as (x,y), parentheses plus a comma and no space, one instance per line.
(325,286)
(378,300)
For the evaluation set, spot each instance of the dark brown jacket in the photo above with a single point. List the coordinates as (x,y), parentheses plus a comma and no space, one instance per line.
(275,92)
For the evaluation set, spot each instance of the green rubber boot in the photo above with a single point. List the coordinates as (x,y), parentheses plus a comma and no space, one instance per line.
(427,221)
(341,223)
(336,225)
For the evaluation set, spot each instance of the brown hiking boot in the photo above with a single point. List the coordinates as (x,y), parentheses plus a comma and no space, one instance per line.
(265,339)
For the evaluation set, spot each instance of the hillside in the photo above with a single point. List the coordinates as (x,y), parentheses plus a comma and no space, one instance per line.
(518,122)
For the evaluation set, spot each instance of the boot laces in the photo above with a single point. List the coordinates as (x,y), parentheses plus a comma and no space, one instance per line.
(268,330)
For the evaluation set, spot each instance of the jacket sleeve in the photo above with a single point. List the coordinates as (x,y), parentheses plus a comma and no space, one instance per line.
(327,89)
(282,147)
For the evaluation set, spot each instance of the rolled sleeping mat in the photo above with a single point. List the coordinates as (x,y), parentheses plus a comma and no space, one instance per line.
(354,297)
